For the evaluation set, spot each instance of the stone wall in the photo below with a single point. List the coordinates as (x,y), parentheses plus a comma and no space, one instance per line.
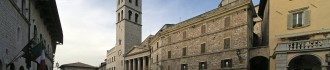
(214,37)
(15,32)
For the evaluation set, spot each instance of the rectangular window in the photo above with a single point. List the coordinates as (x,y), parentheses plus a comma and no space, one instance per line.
(184,34)
(118,17)
(297,19)
(137,2)
(184,51)
(184,66)
(157,44)
(227,22)
(203,29)
(203,48)
(157,58)
(118,2)
(202,65)
(226,63)
(169,54)
(119,42)
(227,43)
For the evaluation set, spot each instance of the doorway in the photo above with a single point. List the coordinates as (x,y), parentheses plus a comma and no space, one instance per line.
(259,63)
(305,62)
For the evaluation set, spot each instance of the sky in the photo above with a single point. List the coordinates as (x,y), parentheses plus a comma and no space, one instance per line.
(89,25)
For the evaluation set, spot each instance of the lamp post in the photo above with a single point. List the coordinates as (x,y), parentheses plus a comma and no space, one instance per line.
(238,53)
(57,65)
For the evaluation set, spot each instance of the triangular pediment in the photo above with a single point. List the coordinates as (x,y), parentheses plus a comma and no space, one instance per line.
(136,50)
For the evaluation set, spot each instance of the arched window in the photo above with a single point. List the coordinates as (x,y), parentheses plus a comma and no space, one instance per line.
(47,50)
(23,6)
(130,1)
(118,2)
(12,66)
(136,17)
(137,2)
(21,68)
(41,38)
(35,31)
(118,17)
(122,13)
(129,15)
(18,34)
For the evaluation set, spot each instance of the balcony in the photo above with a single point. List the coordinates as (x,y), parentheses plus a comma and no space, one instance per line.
(303,45)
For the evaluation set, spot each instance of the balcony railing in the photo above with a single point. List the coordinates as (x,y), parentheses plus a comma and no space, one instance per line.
(303,45)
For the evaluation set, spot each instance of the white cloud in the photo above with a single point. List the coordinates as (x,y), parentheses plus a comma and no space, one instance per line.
(88,32)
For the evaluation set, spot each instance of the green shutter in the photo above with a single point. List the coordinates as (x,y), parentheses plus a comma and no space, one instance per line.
(307,18)
(290,20)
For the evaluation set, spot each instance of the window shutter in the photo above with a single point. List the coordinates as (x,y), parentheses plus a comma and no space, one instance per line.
(290,21)
(307,17)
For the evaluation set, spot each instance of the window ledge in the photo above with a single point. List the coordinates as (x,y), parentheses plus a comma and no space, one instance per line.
(298,27)
(303,33)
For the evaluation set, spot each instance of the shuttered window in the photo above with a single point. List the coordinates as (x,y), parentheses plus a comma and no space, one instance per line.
(298,19)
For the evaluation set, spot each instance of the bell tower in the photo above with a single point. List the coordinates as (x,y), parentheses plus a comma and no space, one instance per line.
(128,25)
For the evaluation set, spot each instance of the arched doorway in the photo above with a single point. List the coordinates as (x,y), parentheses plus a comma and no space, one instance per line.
(21,68)
(259,63)
(305,62)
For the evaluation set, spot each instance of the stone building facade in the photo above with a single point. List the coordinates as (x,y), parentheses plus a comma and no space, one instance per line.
(22,21)
(228,37)
(298,34)
(222,38)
